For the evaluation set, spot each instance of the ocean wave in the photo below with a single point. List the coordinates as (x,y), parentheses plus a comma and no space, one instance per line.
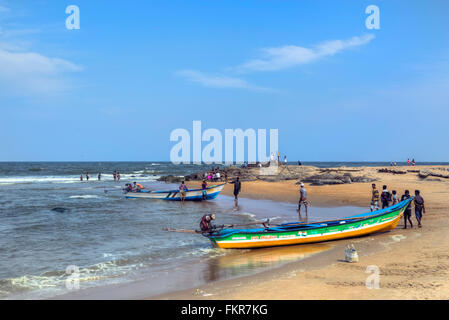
(86,196)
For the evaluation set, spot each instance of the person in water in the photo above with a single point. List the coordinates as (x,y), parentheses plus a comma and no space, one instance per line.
(81,177)
(419,207)
(374,198)
(87,176)
(408,210)
(99,176)
(182,191)
(237,188)
(385,197)
(302,200)
(114,174)
(204,189)
(118,176)
(206,223)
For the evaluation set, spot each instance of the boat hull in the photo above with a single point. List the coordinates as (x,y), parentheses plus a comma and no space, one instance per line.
(381,221)
(191,195)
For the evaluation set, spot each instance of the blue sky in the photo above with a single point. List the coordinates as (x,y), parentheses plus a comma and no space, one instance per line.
(136,70)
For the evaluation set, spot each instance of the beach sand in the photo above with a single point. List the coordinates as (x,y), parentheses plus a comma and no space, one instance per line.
(412,263)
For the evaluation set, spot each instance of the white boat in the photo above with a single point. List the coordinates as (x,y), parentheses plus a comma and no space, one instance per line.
(174,195)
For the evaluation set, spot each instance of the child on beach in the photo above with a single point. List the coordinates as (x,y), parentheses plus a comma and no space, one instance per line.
(374,198)
(395,198)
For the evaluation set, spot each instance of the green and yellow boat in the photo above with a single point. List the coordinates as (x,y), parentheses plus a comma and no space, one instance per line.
(299,233)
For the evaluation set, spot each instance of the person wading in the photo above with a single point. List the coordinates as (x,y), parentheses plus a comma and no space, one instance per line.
(302,200)
(206,223)
(408,210)
(237,189)
(182,191)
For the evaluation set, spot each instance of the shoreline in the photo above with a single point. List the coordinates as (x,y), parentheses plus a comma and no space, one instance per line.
(413,263)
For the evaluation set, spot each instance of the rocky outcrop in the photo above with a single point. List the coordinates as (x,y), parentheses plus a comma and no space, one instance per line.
(393,171)
(171,179)
(330,179)
(423,174)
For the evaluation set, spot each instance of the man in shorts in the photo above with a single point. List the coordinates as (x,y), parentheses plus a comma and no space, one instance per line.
(182,191)
(302,200)
(419,207)
(408,210)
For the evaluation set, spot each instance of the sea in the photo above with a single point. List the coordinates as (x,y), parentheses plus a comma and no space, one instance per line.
(65,238)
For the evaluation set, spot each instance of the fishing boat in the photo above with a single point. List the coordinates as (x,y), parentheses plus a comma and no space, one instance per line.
(174,195)
(300,233)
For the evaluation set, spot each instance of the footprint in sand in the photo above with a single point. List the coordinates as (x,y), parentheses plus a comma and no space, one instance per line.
(398,237)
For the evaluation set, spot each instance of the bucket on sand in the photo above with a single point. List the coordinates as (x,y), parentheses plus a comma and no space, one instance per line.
(351,254)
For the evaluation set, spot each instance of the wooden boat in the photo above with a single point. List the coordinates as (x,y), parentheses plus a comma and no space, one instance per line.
(299,233)
(174,195)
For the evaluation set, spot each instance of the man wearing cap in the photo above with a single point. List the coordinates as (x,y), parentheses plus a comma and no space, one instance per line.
(206,223)
(302,199)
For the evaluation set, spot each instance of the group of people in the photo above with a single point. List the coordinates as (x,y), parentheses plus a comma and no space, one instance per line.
(135,187)
(388,199)
(115,174)
(215,175)
(411,163)
(278,156)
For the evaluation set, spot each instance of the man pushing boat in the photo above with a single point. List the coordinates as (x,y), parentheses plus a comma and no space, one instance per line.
(206,223)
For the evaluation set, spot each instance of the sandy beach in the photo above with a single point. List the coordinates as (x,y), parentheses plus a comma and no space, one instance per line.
(412,263)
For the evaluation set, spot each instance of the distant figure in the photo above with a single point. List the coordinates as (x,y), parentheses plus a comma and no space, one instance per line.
(114,174)
(87,176)
(226,177)
(285,160)
(278,156)
(385,197)
(299,163)
(182,191)
(118,176)
(395,164)
(395,197)
(81,177)
(204,189)
(408,210)
(419,207)
(408,161)
(237,187)
(218,176)
(99,176)
(413,163)
(206,223)
(374,198)
(302,200)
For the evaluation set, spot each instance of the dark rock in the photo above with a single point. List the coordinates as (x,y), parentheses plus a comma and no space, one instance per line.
(60,210)
(170,179)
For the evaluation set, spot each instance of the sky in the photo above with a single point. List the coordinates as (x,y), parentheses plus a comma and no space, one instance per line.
(116,88)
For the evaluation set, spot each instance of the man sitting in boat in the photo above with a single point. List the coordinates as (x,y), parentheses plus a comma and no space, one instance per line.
(206,223)
(137,187)
(128,187)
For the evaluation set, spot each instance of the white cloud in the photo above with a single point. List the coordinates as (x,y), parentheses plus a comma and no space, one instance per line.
(284,57)
(218,81)
(30,72)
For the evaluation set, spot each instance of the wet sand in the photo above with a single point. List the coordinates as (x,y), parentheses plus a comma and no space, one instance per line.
(413,263)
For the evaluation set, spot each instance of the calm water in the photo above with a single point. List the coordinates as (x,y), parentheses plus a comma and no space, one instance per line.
(112,240)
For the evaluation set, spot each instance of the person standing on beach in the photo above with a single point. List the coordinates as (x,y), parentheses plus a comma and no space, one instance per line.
(395,198)
(385,197)
(408,210)
(374,198)
(302,200)
(278,155)
(413,163)
(285,160)
(419,207)
(408,161)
